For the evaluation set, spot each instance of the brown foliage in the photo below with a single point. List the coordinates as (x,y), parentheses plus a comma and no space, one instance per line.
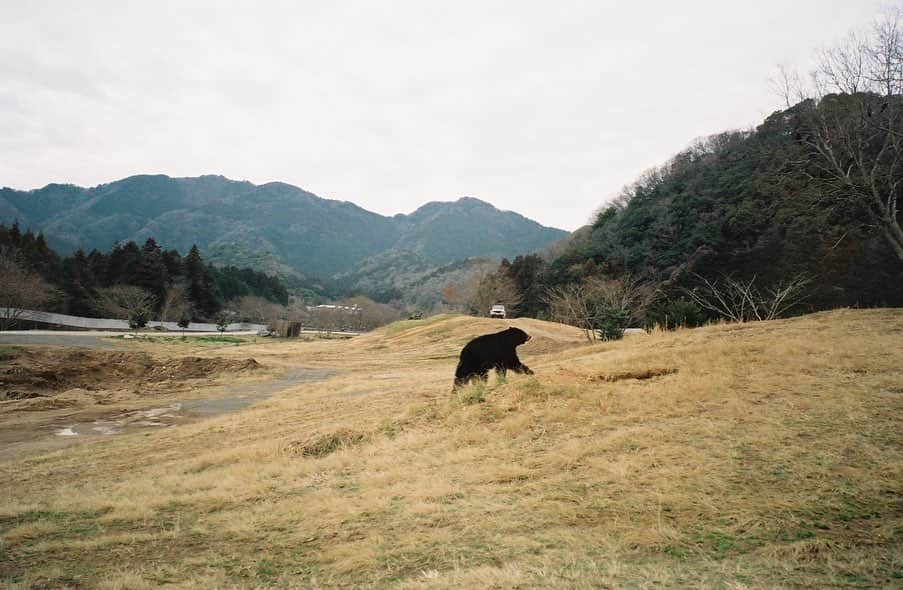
(123,301)
(20,290)
(581,304)
(495,288)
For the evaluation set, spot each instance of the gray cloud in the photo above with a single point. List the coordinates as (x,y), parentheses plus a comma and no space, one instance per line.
(543,108)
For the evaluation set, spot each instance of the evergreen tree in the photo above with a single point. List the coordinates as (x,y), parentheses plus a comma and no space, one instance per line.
(98,262)
(123,264)
(83,279)
(527,274)
(151,272)
(14,234)
(172,260)
(78,284)
(202,291)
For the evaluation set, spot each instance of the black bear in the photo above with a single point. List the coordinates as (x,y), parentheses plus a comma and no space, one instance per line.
(492,351)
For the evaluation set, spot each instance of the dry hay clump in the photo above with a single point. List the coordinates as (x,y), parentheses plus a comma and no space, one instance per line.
(37,373)
(639,374)
(320,445)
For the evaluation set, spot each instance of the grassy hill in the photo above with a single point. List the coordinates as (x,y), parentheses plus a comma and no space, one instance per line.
(740,456)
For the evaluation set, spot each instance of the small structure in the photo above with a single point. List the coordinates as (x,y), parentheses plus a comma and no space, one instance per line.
(285,329)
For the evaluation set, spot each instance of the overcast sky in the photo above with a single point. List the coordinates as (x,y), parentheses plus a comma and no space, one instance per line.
(544,108)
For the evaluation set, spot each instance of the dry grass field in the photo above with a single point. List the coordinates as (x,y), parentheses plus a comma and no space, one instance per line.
(761,455)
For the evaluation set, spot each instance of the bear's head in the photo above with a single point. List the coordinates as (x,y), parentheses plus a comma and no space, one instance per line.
(517,336)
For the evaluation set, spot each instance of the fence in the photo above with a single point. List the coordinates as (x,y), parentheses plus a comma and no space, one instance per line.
(71,321)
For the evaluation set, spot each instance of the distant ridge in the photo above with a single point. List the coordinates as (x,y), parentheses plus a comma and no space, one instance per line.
(273,223)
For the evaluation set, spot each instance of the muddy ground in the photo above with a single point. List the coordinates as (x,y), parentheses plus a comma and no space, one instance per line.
(42,374)
(52,396)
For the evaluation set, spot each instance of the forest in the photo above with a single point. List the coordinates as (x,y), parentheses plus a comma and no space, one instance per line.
(130,280)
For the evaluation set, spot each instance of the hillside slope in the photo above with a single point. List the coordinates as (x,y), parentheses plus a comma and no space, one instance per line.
(312,235)
(404,277)
(739,455)
(751,205)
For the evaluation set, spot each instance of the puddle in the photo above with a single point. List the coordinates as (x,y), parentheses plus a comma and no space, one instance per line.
(242,396)
(238,397)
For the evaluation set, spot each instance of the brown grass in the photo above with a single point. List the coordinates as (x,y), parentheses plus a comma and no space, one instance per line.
(636,374)
(772,457)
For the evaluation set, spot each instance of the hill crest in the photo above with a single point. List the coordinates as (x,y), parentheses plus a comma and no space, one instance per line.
(311,234)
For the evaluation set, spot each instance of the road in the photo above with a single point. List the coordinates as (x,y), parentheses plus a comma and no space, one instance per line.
(98,339)
(77,339)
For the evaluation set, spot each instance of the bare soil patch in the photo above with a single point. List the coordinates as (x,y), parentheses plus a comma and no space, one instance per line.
(55,397)
(43,373)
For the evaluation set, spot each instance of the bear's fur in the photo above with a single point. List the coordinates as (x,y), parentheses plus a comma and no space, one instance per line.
(492,351)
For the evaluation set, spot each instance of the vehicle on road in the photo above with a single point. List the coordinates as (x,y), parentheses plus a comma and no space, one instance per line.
(497,311)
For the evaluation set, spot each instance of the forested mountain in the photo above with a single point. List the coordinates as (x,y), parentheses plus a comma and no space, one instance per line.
(445,232)
(403,277)
(808,196)
(279,223)
(743,204)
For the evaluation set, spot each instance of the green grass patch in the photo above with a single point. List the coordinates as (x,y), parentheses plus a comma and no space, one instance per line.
(221,339)
(213,340)
(475,393)
(533,388)
(8,353)
(65,525)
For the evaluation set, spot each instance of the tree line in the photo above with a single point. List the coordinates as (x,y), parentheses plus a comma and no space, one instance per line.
(130,280)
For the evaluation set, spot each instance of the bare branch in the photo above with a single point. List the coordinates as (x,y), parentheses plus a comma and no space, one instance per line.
(20,290)
(743,301)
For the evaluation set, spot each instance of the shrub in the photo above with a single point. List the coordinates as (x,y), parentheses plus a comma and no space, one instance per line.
(676,313)
(222,322)
(184,321)
(138,318)
(610,323)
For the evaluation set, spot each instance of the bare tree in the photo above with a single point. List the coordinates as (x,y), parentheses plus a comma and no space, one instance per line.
(853,126)
(496,287)
(20,290)
(884,54)
(789,86)
(369,314)
(252,308)
(573,305)
(126,302)
(743,300)
(460,296)
(454,297)
(842,68)
(175,304)
(587,304)
(628,294)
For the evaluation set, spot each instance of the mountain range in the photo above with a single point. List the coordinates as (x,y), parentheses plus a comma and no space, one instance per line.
(275,226)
